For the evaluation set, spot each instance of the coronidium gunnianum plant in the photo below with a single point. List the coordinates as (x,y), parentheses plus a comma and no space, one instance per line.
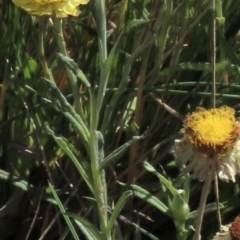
(61,8)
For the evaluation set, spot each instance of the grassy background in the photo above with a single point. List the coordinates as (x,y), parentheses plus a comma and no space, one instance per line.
(149,49)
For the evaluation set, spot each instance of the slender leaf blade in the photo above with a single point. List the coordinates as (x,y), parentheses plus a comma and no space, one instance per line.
(88,225)
(61,207)
(117,209)
(60,141)
(118,153)
(163,180)
(147,196)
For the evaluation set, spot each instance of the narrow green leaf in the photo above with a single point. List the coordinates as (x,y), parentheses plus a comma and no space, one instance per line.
(147,196)
(88,225)
(117,154)
(87,233)
(117,233)
(24,185)
(151,236)
(69,112)
(73,149)
(211,207)
(117,209)
(69,63)
(61,143)
(61,207)
(162,179)
(99,14)
(116,48)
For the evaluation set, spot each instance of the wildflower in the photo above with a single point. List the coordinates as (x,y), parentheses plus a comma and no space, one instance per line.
(210,143)
(61,8)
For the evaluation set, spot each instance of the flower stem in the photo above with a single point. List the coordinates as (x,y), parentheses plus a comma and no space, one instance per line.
(41,53)
(71,76)
(205,191)
(217,198)
(47,74)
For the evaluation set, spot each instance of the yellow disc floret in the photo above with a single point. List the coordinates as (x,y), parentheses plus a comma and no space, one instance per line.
(213,127)
(212,131)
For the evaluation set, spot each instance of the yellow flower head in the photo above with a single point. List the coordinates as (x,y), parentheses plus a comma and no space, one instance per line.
(213,131)
(61,8)
(210,141)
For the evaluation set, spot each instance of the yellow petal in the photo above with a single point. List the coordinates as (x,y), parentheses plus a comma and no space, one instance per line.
(62,8)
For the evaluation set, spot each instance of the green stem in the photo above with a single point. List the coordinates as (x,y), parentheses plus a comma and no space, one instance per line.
(96,138)
(71,76)
(47,74)
(96,151)
(41,53)
(99,14)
